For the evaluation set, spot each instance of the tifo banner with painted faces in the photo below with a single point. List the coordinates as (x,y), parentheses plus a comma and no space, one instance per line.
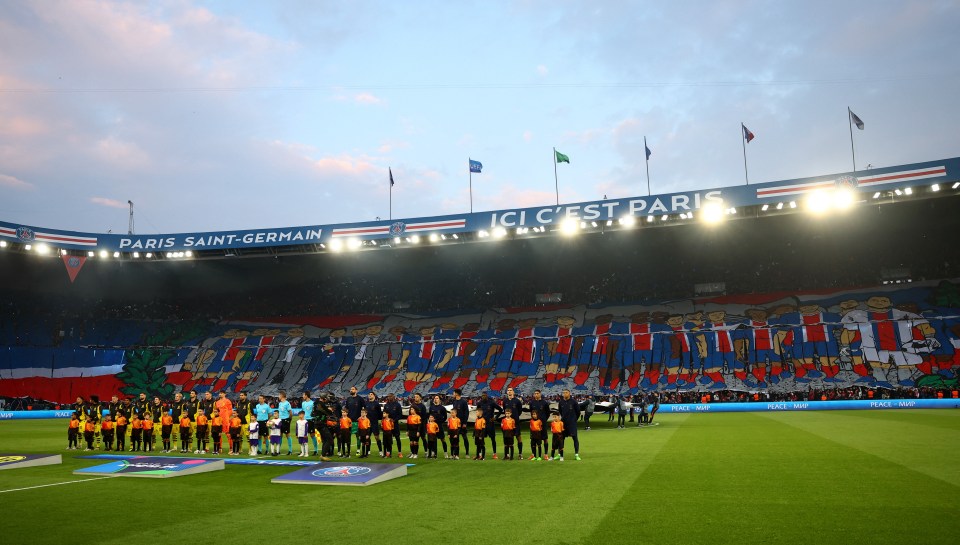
(906,335)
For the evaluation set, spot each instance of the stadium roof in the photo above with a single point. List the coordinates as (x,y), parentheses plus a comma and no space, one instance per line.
(819,194)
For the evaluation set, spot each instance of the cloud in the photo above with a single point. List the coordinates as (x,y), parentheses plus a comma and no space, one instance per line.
(366,98)
(111,203)
(542,70)
(527,136)
(121,154)
(14,182)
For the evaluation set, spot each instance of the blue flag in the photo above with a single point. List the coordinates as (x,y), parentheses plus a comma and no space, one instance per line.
(391,176)
(649,153)
(475,166)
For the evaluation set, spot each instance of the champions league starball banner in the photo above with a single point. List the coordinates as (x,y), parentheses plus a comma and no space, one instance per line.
(864,183)
(153,466)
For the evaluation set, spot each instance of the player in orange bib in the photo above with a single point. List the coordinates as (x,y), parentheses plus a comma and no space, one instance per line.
(479,436)
(413,432)
(147,424)
(432,430)
(166,429)
(453,428)
(363,432)
(556,428)
(73,432)
(536,436)
(344,438)
(509,427)
(388,425)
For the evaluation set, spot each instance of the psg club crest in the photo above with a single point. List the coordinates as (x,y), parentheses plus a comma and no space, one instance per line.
(397,228)
(847,182)
(25,234)
(342,471)
(73,262)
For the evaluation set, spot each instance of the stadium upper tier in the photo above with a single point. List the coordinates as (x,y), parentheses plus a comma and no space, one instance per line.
(819,194)
(867,246)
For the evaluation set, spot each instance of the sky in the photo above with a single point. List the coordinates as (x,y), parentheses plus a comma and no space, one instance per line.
(222,115)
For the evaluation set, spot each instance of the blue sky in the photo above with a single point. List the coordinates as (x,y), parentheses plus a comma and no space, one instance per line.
(226,115)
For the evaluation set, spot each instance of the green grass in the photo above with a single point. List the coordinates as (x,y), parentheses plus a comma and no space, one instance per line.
(812,477)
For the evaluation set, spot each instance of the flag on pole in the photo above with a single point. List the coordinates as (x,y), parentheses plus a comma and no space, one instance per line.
(856,119)
(476,166)
(649,153)
(561,158)
(747,135)
(391,175)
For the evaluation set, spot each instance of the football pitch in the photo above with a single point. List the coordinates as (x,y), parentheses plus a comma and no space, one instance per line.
(794,477)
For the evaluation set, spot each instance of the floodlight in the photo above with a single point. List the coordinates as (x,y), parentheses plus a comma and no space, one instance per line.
(89,254)
(764,208)
(935,187)
(434,237)
(569,226)
(818,201)
(3,243)
(149,255)
(43,249)
(628,221)
(336,245)
(843,198)
(354,243)
(415,239)
(104,254)
(779,206)
(136,255)
(908,191)
(499,232)
(712,213)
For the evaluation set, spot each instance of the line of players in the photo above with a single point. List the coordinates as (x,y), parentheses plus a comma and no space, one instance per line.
(362,418)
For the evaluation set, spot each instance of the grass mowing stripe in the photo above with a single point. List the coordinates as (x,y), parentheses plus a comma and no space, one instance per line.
(52,484)
(740,477)
(936,418)
(901,439)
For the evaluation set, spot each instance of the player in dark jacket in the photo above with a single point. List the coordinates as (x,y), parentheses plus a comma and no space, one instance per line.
(375,414)
(463,413)
(439,414)
(490,411)
(569,414)
(395,410)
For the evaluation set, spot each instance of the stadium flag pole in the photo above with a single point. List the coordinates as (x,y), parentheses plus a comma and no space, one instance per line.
(556,183)
(646,153)
(743,142)
(470,170)
(853,152)
(390,170)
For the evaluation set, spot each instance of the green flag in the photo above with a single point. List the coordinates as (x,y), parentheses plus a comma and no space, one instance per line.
(561,158)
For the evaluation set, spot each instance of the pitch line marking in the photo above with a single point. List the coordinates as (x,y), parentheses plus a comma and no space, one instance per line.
(55,484)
